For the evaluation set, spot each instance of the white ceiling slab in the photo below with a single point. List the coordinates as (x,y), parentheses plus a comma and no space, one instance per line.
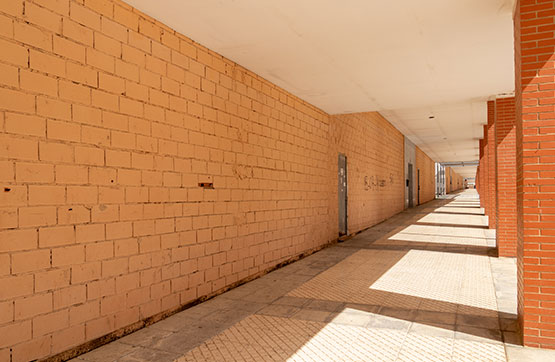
(447,133)
(404,58)
(465,171)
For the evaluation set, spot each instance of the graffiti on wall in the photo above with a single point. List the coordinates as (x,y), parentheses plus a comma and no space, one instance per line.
(377,182)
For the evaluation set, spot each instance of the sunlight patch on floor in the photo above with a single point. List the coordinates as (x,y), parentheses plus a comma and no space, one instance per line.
(436,239)
(462,279)
(405,280)
(265,338)
(454,219)
(447,231)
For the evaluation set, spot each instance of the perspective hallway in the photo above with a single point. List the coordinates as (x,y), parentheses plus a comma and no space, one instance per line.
(424,285)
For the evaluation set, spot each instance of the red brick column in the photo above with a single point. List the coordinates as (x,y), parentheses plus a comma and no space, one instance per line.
(535,125)
(492,193)
(477,177)
(485,176)
(505,142)
(480,176)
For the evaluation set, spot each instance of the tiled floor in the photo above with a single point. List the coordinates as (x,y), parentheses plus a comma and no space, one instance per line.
(424,285)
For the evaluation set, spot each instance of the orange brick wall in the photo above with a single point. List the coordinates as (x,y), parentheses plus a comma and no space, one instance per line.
(459,182)
(374,150)
(453,181)
(108,123)
(427,176)
(448,176)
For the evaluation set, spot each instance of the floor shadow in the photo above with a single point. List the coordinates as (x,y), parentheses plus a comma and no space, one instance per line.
(358,300)
(462,206)
(457,213)
(360,295)
(438,247)
(465,226)
(471,320)
(394,237)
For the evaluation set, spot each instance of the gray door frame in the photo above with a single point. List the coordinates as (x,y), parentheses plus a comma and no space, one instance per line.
(418,188)
(342,193)
(410,183)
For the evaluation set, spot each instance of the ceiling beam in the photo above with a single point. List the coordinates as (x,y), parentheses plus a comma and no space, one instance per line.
(459,163)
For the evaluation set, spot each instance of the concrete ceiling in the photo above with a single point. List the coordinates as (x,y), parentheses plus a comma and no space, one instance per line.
(465,171)
(447,133)
(407,59)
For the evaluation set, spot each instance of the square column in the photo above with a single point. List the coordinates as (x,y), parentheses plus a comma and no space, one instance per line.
(492,194)
(480,176)
(485,176)
(505,144)
(535,134)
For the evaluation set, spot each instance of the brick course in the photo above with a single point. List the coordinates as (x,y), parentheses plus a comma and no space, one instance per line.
(427,176)
(374,150)
(453,181)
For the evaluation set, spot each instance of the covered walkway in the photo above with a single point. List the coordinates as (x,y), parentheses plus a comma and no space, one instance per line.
(175,180)
(423,285)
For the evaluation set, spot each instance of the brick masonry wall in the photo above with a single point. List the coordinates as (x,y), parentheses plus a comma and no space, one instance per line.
(374,150)
(505,141)
(448,180)
(453,181)
(109,121)
(427,176)
(535,99)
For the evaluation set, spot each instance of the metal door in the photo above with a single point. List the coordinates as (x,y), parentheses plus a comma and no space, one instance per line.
(342,193)
(418,189)
(410,186)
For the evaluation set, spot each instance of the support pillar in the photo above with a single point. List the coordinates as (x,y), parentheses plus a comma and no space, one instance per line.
(492,194)
(477,180)
(480,176)
(505,143)
(485,176)
(535,125)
